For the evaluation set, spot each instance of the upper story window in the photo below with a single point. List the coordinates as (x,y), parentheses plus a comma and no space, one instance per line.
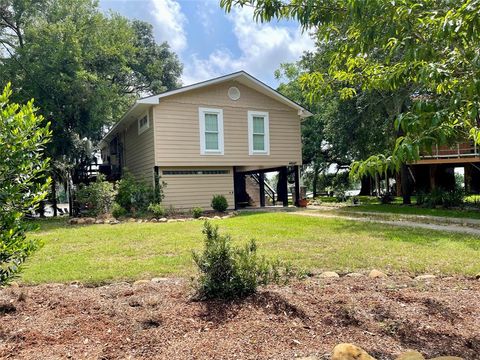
(143,124)
(211,131)
(258,133)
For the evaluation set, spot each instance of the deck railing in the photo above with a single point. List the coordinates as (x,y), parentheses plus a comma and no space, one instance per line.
(460,150)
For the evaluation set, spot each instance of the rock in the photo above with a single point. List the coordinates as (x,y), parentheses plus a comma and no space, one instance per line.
(139,221)
(114,222)
(226,217)
(14,284)
(89,220)
(180,220)
(73,221)
(425,277)
(375,274)
(171,220)
(99,221)
(411,355)
(153,220)
(216,217)
(349,352)
(162,220)
(329,274)
(477,276)
(448,358)
(203,218)
(159,279)
(354,274)
(141,282)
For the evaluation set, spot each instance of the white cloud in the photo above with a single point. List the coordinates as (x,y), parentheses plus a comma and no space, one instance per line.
(263,48)
(170,23)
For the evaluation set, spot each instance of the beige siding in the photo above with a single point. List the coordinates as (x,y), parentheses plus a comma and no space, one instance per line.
(177,138)
(139,150)
(188,191)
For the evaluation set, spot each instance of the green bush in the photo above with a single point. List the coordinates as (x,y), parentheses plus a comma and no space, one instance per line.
(197,212)
(442,197)
(23,184)
(134,195)
(219,203)
(157,210)
(118,211)
(228,272)
(96,198)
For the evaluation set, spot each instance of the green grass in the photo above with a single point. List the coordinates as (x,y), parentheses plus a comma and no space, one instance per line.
(105,253)
(414,210)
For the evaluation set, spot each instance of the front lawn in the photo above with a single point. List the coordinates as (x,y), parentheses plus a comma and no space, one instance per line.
(106,253)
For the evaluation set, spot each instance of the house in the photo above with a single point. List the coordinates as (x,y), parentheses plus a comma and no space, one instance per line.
(214,137)
(437,169)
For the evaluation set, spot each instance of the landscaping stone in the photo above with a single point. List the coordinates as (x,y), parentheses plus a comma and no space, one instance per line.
(477,276)
(141,282)
(203,218)
(349,352)
(354,274)
(99,221)
(171,220)
(89,220)
(425,277)
(448,358)
(114,222)
(159,279)
(180,220)
(216,217)
(162,220)
(411,355)
(226,217)
(375,274)
(329,274)
(153,220)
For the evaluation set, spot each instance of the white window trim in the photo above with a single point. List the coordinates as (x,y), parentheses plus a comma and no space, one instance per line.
(251,114)
(141,131)
(201,118)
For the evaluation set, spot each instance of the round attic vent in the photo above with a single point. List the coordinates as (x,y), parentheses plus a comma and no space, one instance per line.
(234,93)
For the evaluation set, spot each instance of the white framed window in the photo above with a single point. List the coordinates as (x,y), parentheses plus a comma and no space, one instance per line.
(258,133)
(211,131)
(143,123)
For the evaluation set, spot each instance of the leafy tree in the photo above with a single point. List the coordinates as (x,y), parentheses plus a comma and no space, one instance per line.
(84,69)
(22,179)
(428,49)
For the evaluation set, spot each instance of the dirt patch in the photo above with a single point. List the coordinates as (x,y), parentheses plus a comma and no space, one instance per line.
(159,321)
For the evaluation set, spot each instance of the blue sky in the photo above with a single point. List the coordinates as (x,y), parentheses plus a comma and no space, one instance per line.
(211,43)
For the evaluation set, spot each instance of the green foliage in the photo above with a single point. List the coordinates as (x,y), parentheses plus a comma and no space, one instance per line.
(197,212)
(157,210)
(228,272)
(427,51)
(118,211)
(83,66)
(441,197)
(96,198)
(134,195)
(219,203)
(23,137)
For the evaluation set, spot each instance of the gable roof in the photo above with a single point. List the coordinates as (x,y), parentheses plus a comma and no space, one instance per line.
(141,105)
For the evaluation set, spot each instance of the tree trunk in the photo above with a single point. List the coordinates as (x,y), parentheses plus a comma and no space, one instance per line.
(54,197)
(366,188)
(406,185)
(316,171)
(377,184)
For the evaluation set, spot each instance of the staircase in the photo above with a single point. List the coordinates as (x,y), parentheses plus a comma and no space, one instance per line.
(252,186)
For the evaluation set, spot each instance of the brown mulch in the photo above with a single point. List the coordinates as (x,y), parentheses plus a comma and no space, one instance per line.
(159,321)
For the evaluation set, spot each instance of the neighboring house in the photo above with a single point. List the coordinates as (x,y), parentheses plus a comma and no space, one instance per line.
(209,138)
(437,170)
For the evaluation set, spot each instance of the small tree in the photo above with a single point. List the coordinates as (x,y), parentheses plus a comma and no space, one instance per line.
(23,183)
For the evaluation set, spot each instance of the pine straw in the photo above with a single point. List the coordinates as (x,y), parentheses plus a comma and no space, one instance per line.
(310,317)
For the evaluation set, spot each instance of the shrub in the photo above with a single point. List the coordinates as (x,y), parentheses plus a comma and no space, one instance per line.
(23,183)
(96,198)
(441,197)
(219,203)
(386,199)
(197,212)
(118,211)
(157,210)
(134,195)
(228,272)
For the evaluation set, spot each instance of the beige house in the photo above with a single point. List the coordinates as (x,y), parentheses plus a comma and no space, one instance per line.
(209,138)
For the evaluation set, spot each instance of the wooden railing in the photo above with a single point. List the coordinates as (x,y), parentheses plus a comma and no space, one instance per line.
(460,150)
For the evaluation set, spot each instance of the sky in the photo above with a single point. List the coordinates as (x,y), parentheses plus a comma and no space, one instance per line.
(211,43)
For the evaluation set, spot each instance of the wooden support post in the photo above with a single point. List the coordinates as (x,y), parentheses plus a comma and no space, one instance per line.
(283,185)
(297,185)
(261,181)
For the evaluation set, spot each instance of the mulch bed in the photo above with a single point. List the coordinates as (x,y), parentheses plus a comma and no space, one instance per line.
(159,321)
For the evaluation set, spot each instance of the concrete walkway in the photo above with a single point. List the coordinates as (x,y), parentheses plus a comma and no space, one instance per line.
(454,225)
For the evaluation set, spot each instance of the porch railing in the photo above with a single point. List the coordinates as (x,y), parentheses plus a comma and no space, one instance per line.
(460,150)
